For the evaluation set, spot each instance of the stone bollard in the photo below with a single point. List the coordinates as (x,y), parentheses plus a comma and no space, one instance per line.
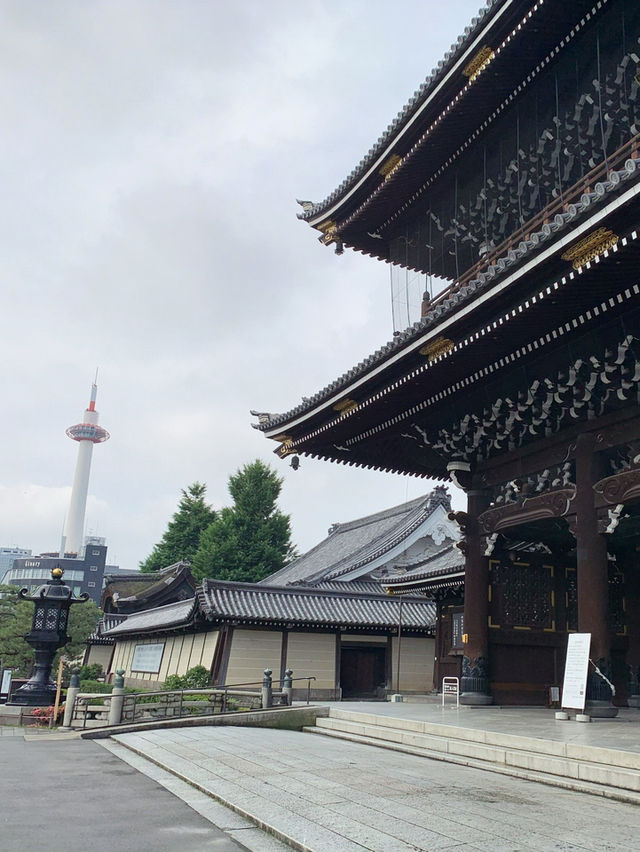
(72,692)
(267,690)
(117,699)
(287,686)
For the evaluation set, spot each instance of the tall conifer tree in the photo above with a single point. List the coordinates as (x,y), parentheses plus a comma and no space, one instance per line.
(182,536)
(252,538)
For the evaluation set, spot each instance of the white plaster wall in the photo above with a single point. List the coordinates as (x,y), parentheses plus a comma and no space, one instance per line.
(416,663)
(312,654)
(253,651)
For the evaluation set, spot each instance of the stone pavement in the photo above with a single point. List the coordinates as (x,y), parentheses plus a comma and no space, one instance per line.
(622,732)
(324,795)
(73,796)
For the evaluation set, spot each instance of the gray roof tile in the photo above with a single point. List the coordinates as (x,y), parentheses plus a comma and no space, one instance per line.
(354,544)
(161,618)
(307,607)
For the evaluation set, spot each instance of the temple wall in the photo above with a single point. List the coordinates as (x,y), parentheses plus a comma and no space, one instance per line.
(313,654)
(100,654)
(253,651)
(180,654)
(416,663)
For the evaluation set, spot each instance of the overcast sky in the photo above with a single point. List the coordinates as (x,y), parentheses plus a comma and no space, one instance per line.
(151,155)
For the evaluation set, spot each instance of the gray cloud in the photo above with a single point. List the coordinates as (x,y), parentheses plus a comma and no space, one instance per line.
(151,156)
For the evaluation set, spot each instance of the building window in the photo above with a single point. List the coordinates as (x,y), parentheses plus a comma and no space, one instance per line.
(93,567)
(95,553)
(91,584)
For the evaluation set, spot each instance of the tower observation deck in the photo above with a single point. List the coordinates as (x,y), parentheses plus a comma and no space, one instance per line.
(87,433)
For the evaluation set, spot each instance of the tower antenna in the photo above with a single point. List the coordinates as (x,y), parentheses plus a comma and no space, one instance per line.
(86,434)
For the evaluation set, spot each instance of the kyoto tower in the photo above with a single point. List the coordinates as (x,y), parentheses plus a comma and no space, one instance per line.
(86,434)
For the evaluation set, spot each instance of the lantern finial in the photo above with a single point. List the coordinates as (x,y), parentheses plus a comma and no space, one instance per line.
(57,572)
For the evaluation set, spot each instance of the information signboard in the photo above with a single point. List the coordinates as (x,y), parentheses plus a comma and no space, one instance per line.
(574,687)
(147,658)
(6,682)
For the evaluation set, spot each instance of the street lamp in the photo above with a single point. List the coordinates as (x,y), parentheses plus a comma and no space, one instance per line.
(48,633)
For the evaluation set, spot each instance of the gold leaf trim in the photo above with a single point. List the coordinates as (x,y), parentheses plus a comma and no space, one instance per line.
(590,247)
(345,406)
(329,232)
(439,346)
(479,62)
(286,448)
(390,165)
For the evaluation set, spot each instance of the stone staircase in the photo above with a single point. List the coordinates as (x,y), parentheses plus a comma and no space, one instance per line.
(611,773)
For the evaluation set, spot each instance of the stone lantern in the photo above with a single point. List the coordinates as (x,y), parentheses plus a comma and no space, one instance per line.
(48,633)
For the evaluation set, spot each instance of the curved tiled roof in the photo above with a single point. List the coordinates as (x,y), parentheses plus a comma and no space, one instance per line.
(357,543)
(166,617)
(108,621)
(448,560)
(303,607)
(414,103)
(457,297)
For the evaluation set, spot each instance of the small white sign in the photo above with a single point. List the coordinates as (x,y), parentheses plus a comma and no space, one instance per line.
(451,686)
(147,658)
(574,687)
(6,682)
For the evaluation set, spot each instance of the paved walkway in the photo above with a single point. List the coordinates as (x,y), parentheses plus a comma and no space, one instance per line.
(73,796)
(328,795)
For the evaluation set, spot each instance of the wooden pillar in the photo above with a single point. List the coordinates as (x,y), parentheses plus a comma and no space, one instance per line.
(475,662)
(632,598)
(593,579)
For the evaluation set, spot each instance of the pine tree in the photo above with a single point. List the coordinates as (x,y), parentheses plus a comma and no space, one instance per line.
(182,536)
(252,538)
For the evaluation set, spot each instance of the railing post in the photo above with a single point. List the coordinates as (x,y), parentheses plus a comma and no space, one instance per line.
(117,699)
(72,692)
(267,690)
(287,686)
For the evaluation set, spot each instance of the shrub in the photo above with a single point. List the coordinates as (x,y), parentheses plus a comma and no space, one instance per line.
(91,672)
(95,686)
(44,715)
(195,678)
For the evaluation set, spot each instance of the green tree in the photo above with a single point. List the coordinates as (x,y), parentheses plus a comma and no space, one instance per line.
(252,538)
(182,536)
(15,622)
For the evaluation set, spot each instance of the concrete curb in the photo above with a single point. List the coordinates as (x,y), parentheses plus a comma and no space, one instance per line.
(286,718)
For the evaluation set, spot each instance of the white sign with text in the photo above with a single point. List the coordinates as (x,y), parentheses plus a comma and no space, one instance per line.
(574,687)
(147,658)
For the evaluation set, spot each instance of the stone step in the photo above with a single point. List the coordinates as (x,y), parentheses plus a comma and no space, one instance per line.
(454,733)
(595,777)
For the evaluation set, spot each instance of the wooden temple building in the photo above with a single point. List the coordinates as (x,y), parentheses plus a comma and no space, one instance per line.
(513,174)
(326,615)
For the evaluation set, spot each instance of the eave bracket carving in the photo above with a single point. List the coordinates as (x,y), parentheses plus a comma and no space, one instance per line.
(553,504)
(621,488)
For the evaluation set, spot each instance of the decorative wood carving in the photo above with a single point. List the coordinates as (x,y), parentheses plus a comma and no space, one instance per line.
(620,488)
(390,165)
(439,346)
(479,62)
(552,504)
(590,247)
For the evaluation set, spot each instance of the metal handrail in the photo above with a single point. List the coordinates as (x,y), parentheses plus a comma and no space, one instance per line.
(175,700)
